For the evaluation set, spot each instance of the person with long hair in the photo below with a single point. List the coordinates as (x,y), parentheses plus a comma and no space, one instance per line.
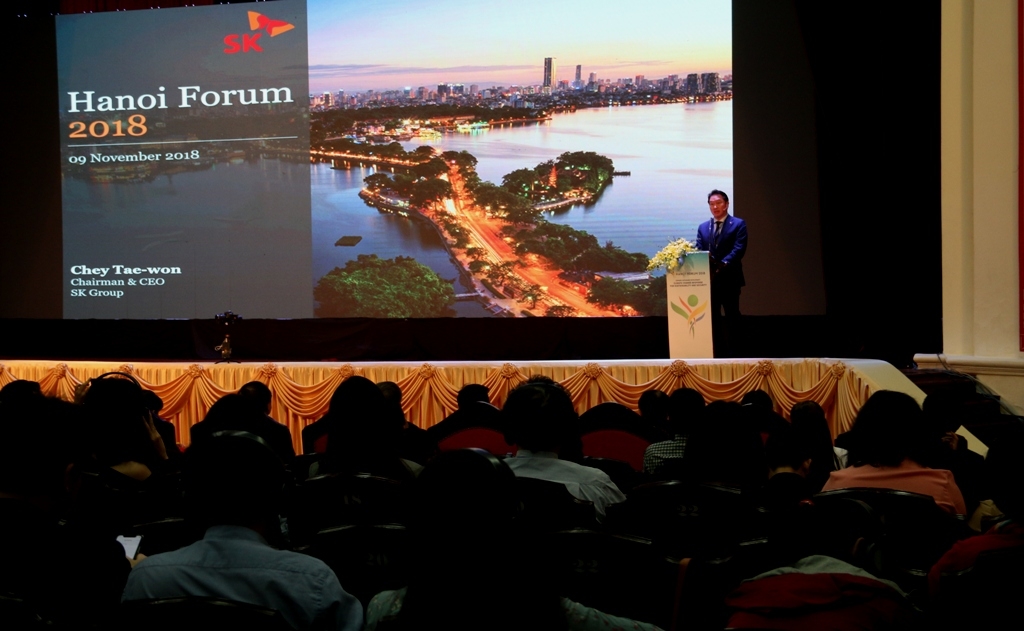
(889,442)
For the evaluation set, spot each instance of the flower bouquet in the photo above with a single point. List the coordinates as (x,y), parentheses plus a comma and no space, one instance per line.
(670,257)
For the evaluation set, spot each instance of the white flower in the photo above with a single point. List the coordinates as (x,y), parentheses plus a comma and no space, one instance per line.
(669,257)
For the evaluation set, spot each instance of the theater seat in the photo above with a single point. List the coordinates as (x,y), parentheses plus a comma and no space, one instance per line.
(175,614)
(549,506)
(916,532)
(341,499)
(612,430)
(619,575)
(490,440)
(367,559)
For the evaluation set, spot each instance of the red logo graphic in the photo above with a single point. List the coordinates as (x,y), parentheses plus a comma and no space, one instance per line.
(249,42)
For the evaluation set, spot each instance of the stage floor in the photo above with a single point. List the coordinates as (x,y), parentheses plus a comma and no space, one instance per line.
(302,390)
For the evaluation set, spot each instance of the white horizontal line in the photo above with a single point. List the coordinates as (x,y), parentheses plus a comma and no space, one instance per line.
(181,142)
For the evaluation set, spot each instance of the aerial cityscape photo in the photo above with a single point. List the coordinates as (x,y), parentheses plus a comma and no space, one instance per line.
(532,170)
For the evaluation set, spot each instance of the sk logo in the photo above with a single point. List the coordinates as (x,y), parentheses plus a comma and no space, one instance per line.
(249,43)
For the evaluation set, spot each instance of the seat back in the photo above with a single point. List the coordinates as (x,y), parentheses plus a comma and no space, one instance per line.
(175,614)
(485,438)
(992,585)
(367,559)
(549,506)
(618,574)
(341,499)
(689,519)
(915,531)
(616,444)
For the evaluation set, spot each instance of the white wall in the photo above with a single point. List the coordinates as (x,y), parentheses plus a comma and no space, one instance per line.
(979,193)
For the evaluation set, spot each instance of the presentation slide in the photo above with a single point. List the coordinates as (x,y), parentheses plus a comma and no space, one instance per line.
(390,159)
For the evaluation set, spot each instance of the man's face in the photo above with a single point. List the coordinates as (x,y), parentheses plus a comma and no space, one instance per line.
(719,207)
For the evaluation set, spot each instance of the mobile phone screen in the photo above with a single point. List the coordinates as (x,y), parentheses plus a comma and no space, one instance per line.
(130,544)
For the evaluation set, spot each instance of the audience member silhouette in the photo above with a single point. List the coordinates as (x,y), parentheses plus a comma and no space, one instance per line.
(685,407)
(887,444)
(125,442)
(234,482)
(466,504)
(789,465)
(1004,476)
(811,428)
(166,429)
(475,410)
(20,390)
(541,419)
(247,411)
(413,443)
(68,574)
(822,583)
(944,413)
(759,412)
(727,449)
(653,406)
(363,434)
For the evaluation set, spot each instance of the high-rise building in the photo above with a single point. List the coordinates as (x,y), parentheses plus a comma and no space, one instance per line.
(693,84)
(549,72)
(710,83)
(639,81)
(328,99)
(579,73)
(407,91)
(474,89)
(443,89)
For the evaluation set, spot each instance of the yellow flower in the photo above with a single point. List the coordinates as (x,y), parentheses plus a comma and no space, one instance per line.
(669,257)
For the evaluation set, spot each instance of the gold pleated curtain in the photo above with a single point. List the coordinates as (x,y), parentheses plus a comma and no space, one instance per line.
(302,391)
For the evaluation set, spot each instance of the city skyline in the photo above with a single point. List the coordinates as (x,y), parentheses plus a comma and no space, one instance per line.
(471,88)
(455,42)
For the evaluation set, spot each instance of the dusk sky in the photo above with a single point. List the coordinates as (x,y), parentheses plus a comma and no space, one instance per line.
(390,44)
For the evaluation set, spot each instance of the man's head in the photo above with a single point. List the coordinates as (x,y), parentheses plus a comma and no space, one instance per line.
(718,202)
(540,416)
(258,393)
(234,477)
(472,393)
(686,406)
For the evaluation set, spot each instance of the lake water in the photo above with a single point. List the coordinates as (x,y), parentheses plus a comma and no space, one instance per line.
(675,152)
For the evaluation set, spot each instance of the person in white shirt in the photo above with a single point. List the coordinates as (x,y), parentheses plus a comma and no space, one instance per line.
(541,419)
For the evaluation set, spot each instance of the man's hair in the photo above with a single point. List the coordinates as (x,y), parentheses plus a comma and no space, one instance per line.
(758,399)
(471,393)
(653,404)
(718,192)
(234,477)
(541,416)
(685,408)
(258,392)
(392,392)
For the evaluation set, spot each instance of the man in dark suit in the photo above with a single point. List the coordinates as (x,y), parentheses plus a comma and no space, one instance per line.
(725,237)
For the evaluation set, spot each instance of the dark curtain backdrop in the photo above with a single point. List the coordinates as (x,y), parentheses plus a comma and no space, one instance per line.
(854,138)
